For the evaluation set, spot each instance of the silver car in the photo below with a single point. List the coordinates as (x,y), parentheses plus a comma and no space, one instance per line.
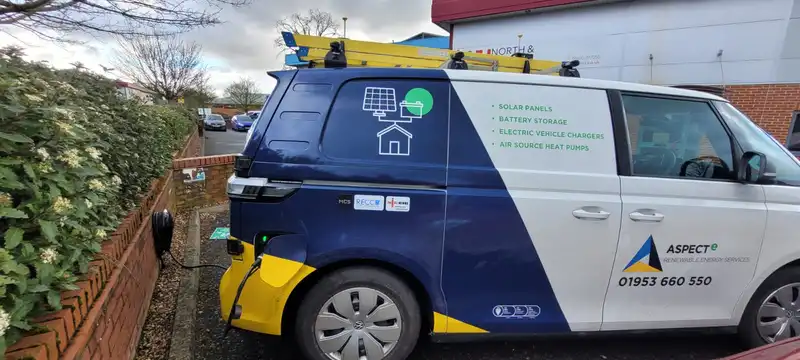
(215,122)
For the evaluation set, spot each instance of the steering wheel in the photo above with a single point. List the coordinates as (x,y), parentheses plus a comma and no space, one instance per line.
(662,160)
(704,164)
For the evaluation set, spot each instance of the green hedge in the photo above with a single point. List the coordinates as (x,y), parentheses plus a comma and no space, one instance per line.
(74,159)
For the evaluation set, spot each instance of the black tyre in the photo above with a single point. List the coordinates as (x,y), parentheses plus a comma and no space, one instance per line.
(773,313)
(357,310)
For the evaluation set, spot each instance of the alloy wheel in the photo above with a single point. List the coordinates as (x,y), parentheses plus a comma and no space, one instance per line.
(779,315)
(358,323)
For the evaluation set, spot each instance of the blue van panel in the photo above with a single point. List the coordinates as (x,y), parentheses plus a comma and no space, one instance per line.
(336,232)
(294,148)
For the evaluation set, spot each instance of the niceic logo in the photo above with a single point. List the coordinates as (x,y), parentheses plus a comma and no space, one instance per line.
(398,203)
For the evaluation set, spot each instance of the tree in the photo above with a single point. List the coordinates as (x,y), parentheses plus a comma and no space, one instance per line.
(316,23)
(51,18)
(165,65)
(243,93)
(198,96)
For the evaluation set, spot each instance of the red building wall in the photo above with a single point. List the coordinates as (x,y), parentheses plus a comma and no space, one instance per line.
(770,105)
(446,11)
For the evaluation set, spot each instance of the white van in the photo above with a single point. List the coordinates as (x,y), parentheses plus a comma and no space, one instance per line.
(382,204)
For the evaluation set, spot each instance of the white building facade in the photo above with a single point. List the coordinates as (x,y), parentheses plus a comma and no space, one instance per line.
(748,49)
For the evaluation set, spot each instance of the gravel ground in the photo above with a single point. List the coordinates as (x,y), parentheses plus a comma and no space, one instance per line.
(157,332)
(209,343)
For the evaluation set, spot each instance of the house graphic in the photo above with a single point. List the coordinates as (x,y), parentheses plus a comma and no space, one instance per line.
(394,140)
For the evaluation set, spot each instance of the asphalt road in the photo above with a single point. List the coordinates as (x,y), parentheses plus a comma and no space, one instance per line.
(224,142)
(210,345)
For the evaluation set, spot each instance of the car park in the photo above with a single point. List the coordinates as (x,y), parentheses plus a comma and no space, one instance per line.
(397,203)
(214,122)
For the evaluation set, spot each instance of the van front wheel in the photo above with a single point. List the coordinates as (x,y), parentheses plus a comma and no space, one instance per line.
(358,312)
(773,313)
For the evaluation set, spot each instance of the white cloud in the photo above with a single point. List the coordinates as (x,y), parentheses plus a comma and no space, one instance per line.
(243,45)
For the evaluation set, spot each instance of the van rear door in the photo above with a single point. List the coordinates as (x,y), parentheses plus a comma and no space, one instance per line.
(357,163)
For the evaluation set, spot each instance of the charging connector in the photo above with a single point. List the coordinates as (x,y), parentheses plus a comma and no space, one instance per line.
(253,268)
(162,226)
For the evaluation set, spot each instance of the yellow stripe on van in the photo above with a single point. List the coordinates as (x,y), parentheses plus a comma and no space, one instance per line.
(276,272)
(264,296)
(443,324)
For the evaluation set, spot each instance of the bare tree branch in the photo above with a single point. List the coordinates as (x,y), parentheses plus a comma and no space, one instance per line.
(316,23)
(199,96)
(165,64)
(243,93)
(116,17)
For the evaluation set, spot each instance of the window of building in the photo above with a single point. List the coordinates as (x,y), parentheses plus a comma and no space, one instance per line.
(677,138)
(398,121)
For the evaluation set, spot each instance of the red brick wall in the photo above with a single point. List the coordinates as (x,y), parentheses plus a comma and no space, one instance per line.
(770,106)
(211,191)
(103,320)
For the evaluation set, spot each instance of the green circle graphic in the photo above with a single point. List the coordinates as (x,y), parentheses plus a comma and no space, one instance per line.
(422,96)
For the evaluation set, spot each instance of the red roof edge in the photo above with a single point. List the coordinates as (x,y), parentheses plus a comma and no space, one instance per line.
(447,11)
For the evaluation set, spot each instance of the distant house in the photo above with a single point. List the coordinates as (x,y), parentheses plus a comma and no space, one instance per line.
(130,91)
(227,107)
(394,140)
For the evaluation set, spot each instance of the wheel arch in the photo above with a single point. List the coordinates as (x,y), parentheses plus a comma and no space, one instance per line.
(421,294)
(790,261)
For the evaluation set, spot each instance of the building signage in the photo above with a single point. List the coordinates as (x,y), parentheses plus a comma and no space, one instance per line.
(504,50)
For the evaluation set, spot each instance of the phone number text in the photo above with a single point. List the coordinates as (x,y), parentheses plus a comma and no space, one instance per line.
(646,281)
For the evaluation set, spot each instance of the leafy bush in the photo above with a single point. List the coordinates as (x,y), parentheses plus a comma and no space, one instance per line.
(74,159)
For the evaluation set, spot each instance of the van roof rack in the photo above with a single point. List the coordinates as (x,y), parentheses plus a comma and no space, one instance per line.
(319,51)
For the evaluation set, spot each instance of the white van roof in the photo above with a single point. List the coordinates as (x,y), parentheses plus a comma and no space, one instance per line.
(504,77)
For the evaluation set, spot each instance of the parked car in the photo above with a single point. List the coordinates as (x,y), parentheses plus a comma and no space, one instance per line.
(253,114)
(399,203)
(241,122)
(215,122)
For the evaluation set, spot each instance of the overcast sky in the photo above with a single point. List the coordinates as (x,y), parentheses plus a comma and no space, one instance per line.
(243,45)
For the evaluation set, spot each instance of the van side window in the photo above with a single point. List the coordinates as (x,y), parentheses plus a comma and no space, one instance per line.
(793,141)
(753,138)
(677,138)
(397,121)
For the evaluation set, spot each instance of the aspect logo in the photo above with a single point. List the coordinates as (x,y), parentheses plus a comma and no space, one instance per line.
(368,202)
(691,249)
(646,259)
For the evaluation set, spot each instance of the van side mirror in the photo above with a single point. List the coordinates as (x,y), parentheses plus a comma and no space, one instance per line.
(753,168)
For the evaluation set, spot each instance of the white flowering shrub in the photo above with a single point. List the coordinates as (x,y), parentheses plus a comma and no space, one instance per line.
(74,159)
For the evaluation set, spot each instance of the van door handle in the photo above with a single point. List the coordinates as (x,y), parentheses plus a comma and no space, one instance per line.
(595,214)
(653,216)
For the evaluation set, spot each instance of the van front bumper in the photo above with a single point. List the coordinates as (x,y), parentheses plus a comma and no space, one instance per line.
(262,304)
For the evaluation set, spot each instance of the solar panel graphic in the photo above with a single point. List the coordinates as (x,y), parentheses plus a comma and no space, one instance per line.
(379,101)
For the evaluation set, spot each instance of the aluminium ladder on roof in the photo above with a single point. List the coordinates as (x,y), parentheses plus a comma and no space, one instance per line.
(321,51)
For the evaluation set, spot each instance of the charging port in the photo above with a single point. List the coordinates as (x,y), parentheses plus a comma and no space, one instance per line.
(235,247)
